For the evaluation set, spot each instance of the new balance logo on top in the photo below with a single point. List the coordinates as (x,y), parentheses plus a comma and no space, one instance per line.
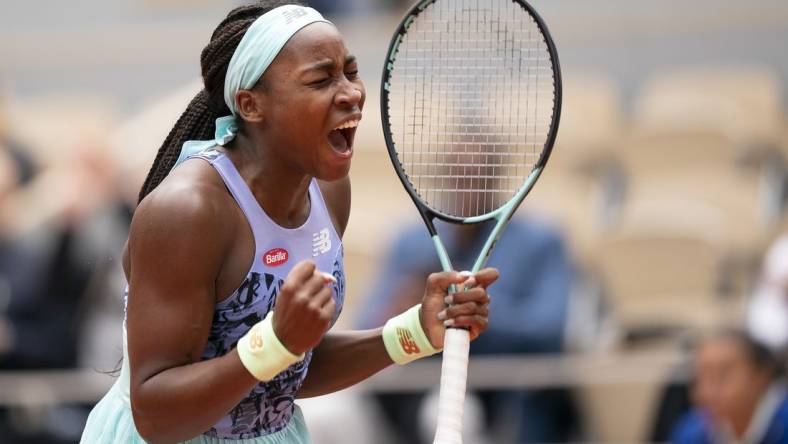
(406,342)
(321,242)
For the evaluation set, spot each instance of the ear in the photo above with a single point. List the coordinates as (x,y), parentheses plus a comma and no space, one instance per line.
(250,105)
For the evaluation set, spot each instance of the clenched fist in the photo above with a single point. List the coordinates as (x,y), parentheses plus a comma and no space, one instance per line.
(467,308)
(304,308)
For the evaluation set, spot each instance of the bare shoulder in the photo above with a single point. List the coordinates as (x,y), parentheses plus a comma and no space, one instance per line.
(187,207)
(337,197)
(180,239)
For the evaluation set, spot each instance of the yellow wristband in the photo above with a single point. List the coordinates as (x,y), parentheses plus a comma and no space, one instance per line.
(404,338)
(262,353)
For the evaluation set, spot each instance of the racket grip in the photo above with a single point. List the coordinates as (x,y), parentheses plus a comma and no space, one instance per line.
(454,375)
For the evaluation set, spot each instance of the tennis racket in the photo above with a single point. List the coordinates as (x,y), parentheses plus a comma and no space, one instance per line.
(470,104)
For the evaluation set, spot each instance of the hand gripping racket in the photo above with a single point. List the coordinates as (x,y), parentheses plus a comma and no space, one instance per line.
(470,104)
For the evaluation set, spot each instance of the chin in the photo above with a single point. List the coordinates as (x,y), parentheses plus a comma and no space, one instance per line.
(335,174)
(332,168)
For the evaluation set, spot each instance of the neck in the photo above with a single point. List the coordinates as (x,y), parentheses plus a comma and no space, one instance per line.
(744,421)
(281,191)
(739,426)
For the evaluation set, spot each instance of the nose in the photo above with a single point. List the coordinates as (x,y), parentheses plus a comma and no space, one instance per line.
(350,94)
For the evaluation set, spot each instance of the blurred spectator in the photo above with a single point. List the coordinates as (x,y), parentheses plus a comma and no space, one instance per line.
(767,317)
(339,8)
(49,265)
(39,288)
(45,268)
(767,323)
(527,315)
(737,393)
(398,6)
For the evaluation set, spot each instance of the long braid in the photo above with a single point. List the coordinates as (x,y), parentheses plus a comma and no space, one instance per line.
(198,122)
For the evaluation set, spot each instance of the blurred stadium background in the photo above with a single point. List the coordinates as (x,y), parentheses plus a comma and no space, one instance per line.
(668,178)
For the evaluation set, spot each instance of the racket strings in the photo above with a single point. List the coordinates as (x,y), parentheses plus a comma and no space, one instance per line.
(471,101)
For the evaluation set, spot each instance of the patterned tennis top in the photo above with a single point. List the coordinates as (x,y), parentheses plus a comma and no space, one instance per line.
(269,405)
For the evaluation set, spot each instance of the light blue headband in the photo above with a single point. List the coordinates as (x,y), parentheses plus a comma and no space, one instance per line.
(258,48)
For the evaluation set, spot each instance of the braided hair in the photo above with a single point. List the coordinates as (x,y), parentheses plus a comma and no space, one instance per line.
(198,122)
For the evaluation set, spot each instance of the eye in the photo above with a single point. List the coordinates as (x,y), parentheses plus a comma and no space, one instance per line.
(323,81)
(352,75)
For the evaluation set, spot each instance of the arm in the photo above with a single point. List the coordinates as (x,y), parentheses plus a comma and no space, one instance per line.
(180,239)
(364,350)
(329,370)
(170,308)
(173,392)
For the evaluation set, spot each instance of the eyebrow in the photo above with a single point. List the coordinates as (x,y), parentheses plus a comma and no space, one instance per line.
(328,64)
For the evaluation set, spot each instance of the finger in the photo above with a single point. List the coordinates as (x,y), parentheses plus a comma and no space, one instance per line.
(329,308)
(322,298)
(478,295)
(473,322)
(486,277)
(474,331)
(301,272)
(469,282)
(325,313)
(466,309)
(441,281)
(292,286)
(314,286)
(329,278)
(326,278)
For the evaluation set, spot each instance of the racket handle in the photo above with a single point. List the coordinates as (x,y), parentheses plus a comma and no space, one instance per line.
(454,375)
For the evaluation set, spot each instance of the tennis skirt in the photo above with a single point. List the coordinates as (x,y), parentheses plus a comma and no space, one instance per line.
(111,422)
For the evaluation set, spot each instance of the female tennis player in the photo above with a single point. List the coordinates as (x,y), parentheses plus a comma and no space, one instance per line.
(234,257)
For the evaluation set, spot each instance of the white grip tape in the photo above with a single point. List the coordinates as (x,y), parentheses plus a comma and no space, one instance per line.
(454,376)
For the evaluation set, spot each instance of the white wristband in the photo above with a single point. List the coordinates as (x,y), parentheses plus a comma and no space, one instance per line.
(262,353)
(405,339)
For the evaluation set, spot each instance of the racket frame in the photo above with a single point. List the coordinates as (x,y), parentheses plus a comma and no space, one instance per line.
(502,214)
(456,342)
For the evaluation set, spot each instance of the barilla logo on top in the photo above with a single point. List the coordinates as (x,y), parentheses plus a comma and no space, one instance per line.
(275,257)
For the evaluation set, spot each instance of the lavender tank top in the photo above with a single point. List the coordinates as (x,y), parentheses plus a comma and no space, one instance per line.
(269,406)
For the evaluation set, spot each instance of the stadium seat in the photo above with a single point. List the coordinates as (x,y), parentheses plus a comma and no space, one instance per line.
(660,282)
(743,101)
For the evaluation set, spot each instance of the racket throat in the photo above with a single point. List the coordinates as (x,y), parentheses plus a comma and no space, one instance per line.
(443,256)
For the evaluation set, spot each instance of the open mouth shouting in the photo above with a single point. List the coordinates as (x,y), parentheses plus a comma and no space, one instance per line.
(341,137)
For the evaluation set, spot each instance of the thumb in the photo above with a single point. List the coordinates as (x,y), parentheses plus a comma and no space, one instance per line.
(301,271)
(485,277)
(441,281)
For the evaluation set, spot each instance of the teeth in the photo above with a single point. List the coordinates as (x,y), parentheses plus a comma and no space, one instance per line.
(346,125)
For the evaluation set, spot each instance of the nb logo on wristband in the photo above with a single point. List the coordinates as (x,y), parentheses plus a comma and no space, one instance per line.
(256,339)
(407,343)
